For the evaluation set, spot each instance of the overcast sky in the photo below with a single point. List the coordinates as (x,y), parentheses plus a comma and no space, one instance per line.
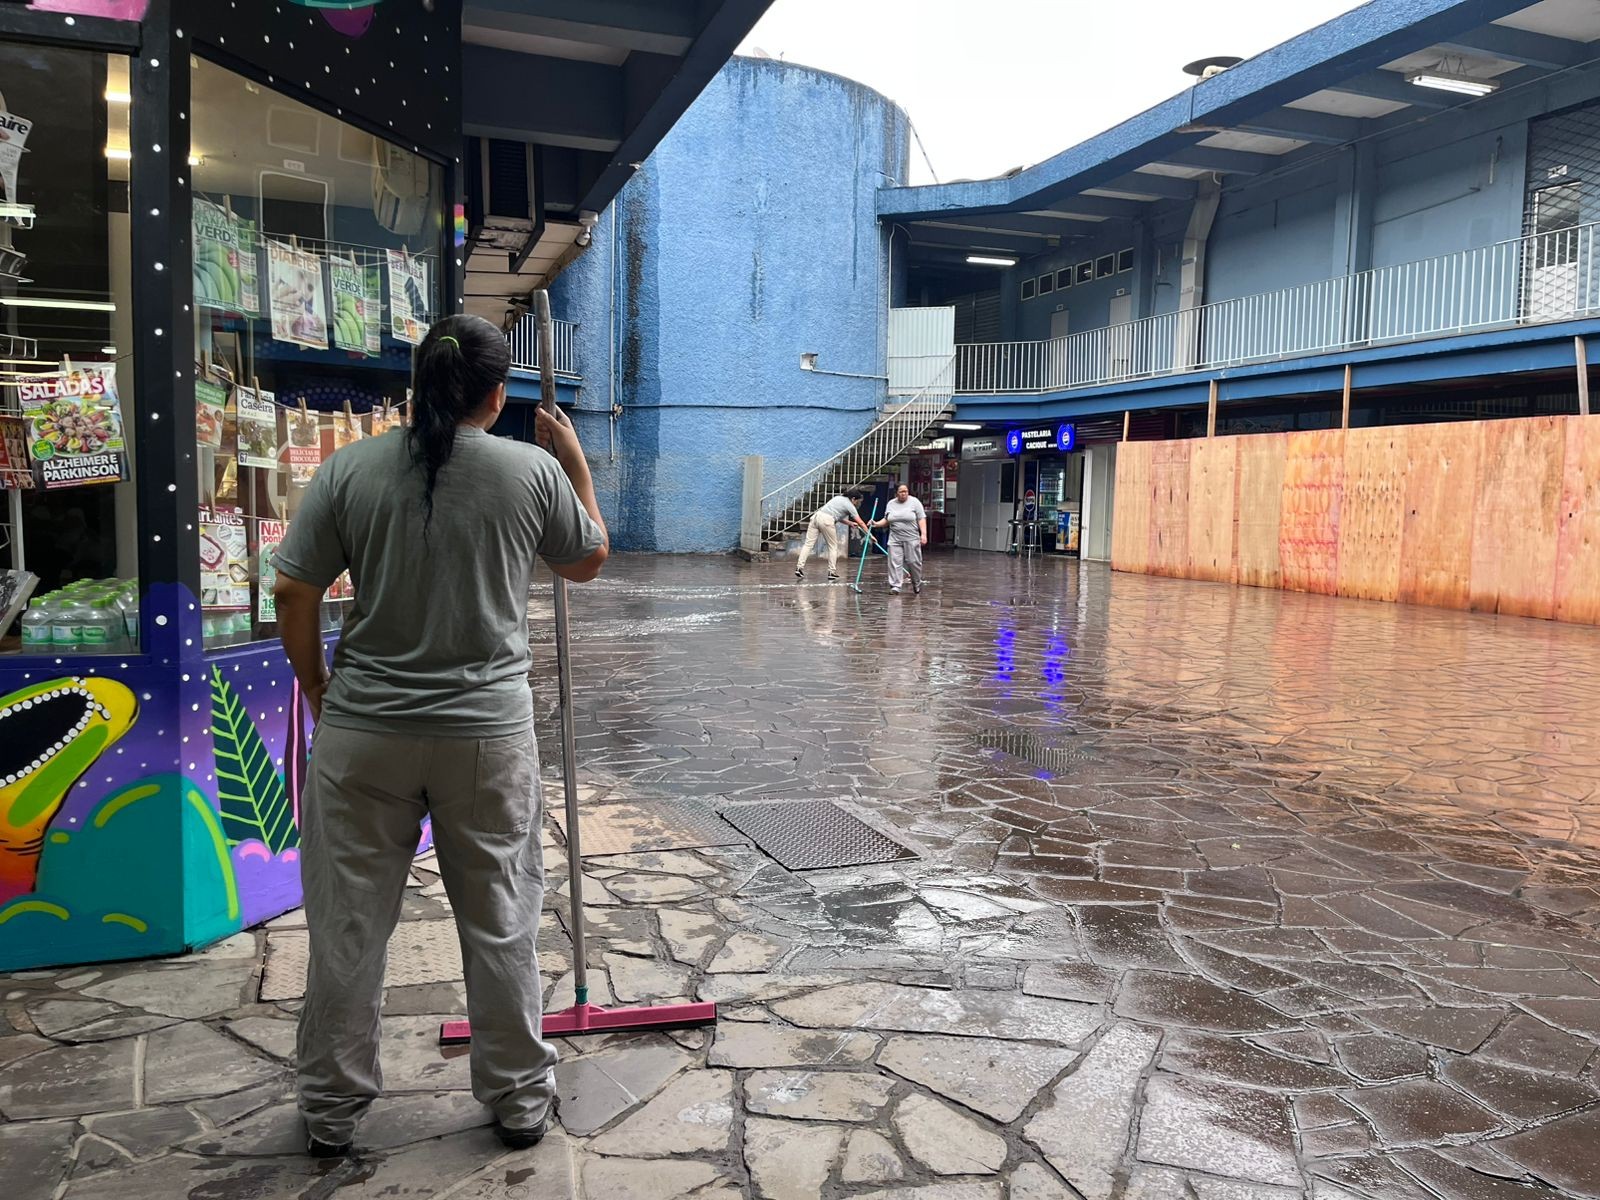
(1004,83)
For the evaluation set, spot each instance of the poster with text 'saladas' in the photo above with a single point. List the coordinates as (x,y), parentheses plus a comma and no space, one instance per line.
(299,302)
(408,297)
(258,427)
(74,426)
(14,132)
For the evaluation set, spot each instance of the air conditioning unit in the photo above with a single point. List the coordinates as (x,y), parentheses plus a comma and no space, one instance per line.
(400,189)
(505,200)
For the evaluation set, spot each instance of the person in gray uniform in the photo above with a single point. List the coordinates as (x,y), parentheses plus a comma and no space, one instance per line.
(908,534)
(427,712)
(825,521)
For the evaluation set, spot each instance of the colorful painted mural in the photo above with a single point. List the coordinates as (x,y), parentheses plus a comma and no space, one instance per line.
(349,17)
(114,10)
(123,835)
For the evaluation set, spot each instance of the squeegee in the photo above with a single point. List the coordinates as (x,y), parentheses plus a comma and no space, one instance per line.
(866,548)
(582,1017)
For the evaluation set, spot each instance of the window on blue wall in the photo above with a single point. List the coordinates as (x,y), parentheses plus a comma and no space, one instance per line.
(1047,284)
(1063,279)
(1124,261)
(1105,266)
(1027,289)
(1086,272)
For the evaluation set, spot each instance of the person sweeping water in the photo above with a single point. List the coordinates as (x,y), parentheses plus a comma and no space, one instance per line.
(825,522)
(908,534)
(427,713)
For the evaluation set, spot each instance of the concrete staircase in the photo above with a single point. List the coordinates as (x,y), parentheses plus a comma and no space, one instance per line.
(786,509)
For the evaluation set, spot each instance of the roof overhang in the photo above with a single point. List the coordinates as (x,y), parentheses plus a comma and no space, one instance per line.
(1336,84)
(592,86)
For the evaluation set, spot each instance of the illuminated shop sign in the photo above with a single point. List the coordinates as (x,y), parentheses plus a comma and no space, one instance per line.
(1042,438)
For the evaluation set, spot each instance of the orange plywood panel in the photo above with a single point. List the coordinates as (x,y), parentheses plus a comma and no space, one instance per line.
(1441,491)
(1169,508)
(1517,526)
(1577,592)
(1130,516)
(1308,539)
(1213,471)
(1260,507)
(1372,513)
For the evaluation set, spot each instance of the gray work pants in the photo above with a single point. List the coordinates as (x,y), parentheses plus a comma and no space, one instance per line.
(905,555)
(365,798)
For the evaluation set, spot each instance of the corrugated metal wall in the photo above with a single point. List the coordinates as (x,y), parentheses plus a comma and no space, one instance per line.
(921,343)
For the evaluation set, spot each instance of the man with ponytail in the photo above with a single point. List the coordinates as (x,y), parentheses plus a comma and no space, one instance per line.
(427,713)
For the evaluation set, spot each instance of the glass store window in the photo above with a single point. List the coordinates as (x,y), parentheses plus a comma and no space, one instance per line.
(68,521)
(316,273)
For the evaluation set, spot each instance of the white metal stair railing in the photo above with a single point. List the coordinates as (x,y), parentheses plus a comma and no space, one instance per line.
(524,341)
(786,509)
(1537,279)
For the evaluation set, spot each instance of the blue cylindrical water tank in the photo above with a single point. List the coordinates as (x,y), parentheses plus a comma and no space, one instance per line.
(750,237)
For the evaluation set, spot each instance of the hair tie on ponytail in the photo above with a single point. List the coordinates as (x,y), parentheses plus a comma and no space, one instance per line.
(451,340)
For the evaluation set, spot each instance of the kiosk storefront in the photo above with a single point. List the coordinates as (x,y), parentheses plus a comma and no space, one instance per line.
(1001,468)
(223,230)
(1052,469)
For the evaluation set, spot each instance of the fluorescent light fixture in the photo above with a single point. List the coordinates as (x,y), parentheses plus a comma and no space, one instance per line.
(990,260)
(962,425)
(1462,85)
(108,349)
(118,153)
(27,362)
(41,302)
(116,97)
(24,211)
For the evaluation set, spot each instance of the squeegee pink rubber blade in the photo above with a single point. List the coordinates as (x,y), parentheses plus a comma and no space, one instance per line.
(591,1018)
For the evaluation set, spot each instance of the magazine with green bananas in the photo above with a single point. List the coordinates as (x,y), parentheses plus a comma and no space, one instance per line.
(224,260)
(349,304)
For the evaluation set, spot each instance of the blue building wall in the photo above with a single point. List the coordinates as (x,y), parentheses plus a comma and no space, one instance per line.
(748,238)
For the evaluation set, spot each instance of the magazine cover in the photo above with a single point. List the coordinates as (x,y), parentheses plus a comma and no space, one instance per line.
(349,285)
(408,297)
(74,426)
(299,302)
(258,428)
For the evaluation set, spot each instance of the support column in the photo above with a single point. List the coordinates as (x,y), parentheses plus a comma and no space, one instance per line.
(1349,374)
(1211,410)
(1581,352)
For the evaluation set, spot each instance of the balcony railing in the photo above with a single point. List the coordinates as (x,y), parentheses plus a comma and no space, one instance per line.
(524,339)
(1530,280)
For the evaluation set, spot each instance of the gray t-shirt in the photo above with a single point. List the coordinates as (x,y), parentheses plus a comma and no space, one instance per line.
(436,642)
(839,508)
(903,519)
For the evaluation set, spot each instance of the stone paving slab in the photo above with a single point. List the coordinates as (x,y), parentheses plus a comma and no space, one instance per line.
(1308,920)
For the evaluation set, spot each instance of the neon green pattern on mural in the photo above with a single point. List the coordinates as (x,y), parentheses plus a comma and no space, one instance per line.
(255,805)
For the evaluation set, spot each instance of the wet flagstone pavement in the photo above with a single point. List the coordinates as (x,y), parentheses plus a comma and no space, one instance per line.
(1305,904)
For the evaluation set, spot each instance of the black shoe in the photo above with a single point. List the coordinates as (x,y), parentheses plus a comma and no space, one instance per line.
(317,1148)
(916,589)
(799,572)
(521,1139)
(833,577)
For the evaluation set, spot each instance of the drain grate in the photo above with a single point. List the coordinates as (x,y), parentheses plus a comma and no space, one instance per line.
(635,826)
(1031,748)
(809,835)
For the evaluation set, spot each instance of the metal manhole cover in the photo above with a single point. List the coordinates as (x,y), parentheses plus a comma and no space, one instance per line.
(635,826)
(1031,748)
(810,835)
